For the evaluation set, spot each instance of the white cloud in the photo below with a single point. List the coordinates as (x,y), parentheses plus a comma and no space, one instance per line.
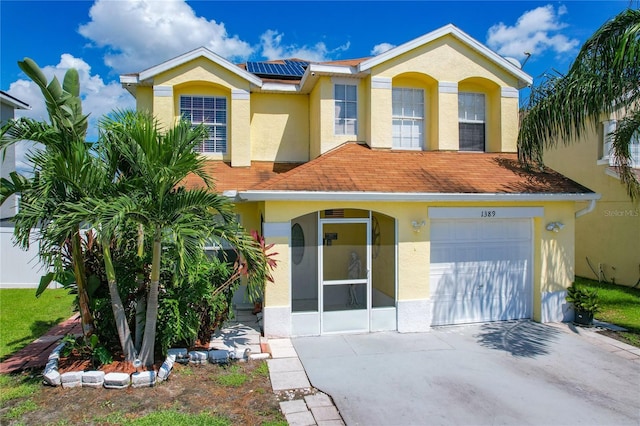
(98,98)
(139,34)
(536,32)
(381,48)
(272,48)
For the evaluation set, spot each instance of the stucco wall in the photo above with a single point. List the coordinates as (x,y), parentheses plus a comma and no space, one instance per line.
(322,109)
(553,263)
(279,127)
(609,237)
(455,68)
(201,76)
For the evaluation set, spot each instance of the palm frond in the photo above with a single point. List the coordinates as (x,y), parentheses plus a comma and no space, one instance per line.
(603,78)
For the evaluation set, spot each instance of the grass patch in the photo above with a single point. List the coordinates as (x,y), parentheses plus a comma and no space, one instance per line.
(184,371)
(175,418)
(619,305)
(262,370)
(24,318)
(20,409)
(233,377)
(12,387)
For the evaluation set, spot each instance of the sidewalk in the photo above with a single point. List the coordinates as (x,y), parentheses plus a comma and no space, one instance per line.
(36,353)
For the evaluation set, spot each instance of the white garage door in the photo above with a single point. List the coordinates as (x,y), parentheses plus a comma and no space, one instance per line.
(480,270)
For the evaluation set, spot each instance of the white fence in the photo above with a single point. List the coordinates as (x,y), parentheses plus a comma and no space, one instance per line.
(18,268)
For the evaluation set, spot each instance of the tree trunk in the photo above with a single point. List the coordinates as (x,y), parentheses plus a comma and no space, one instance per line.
(124,333)
(149,338)
(141,303)
(86,319)
(141,308)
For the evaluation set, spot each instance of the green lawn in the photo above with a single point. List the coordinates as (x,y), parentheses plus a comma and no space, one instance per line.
(619,305)
(24,318)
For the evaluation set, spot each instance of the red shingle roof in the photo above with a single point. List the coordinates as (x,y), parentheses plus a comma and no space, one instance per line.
(357,168)
(238,178)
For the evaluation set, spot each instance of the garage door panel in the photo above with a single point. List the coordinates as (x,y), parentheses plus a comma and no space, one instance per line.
(475,278)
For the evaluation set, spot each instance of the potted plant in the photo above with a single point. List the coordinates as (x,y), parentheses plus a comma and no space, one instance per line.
(585,303)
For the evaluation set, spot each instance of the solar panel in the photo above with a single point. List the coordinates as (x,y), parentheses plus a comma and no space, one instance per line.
(290,69)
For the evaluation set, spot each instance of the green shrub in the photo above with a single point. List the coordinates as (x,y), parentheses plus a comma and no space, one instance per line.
(583,299)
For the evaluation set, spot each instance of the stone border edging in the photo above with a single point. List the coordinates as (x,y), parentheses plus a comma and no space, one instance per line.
(97,379)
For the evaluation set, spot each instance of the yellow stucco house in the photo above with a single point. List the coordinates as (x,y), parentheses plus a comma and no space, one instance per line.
(608,240)
(389,185)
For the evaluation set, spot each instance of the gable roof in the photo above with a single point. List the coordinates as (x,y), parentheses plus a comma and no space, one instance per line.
(343,67)
(357,172)
(454,31)
(147,75)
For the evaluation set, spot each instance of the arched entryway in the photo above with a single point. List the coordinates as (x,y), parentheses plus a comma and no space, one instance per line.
(343,272)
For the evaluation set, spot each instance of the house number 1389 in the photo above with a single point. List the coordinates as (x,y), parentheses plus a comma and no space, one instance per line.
(488,213)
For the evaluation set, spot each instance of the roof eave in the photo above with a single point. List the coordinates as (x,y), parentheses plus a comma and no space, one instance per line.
(147,75)
(12,101)
(265,195)
(130,82)
(313,71)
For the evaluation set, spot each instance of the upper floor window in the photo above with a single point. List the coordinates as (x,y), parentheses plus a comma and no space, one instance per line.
(346,109)
(212,112)
(408,118)
(609,127)
(471,121)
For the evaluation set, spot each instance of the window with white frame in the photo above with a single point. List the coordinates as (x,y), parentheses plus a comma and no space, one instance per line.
(471,121)
(346,109)
(212,112)
(408,118)
(218,246)
(609,127)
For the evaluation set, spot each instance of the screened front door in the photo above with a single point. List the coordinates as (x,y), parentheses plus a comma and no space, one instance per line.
(345,288)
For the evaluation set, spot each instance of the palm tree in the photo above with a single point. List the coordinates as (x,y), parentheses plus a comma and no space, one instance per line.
(62,173)
(605,77)
(154,164)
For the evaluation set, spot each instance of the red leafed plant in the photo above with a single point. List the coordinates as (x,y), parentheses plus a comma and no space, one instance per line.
(269,257)
(256,265)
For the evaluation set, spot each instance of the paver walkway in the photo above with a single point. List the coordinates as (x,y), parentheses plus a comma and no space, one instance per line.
(36,353)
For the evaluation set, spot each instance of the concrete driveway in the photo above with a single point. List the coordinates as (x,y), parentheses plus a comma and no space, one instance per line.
(496,373)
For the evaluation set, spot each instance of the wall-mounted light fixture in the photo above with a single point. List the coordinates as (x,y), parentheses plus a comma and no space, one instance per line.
(555,226)
(417,226)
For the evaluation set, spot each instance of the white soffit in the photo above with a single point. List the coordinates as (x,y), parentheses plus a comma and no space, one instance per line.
(449,29)
(253,195)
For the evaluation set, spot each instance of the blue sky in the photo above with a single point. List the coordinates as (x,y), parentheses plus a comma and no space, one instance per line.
(104,39)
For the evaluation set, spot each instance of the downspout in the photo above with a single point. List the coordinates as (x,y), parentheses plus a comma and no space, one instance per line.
(586,210)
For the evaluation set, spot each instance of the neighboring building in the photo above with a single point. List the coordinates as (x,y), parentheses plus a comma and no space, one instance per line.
(8,105)
(389,185)
(607,240)
(18,268)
